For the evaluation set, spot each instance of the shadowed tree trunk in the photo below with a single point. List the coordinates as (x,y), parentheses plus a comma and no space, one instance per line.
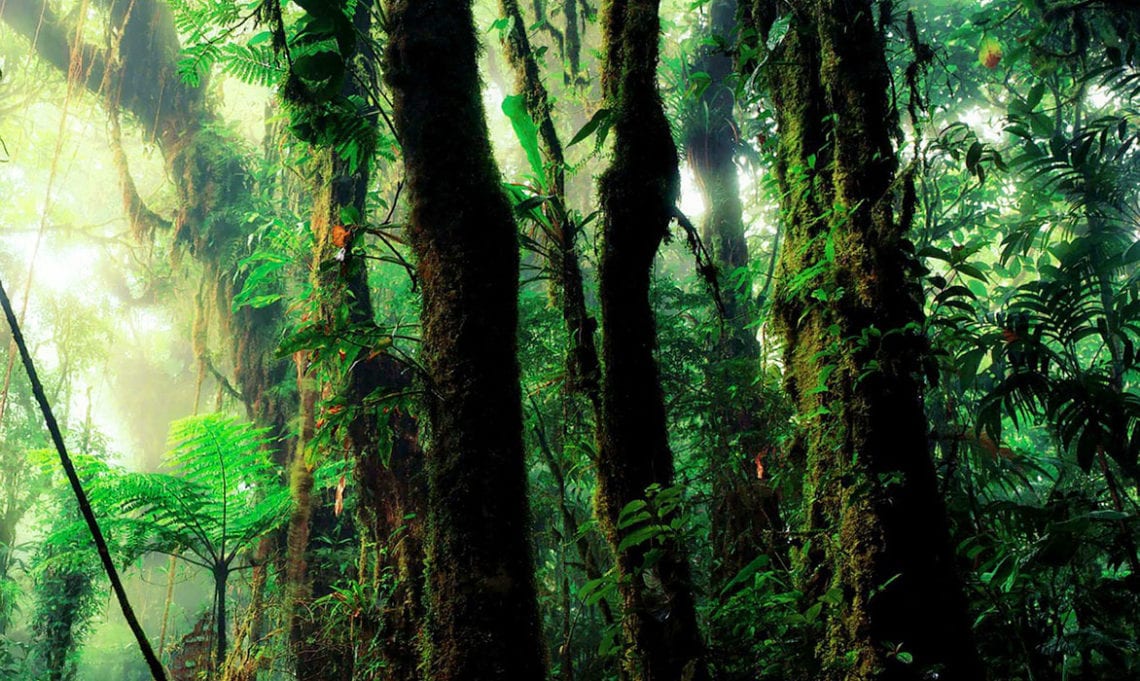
(483,613)
(638,193)
(849,305)
(744,511)
(391,488)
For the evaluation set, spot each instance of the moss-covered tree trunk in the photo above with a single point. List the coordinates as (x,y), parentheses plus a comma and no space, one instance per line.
(351,373)
(638,192)
(849,305)
(582,364)
(583,367)
(483,614)
(384,447)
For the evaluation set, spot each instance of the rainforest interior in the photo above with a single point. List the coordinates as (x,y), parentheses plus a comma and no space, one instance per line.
(581,340)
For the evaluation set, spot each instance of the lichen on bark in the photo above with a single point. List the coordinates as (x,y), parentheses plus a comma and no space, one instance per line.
(849,306)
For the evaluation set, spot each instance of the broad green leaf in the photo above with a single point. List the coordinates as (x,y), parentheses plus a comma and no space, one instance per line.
(514,106)
(639,536)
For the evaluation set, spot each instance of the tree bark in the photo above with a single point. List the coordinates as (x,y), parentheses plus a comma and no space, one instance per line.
(848,302)
(390,491)
(638,193)
(745,510)
(484,621)
(583,370)
(221,576)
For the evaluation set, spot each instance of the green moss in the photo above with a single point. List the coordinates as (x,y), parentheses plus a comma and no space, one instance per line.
(869,484)
(483,617)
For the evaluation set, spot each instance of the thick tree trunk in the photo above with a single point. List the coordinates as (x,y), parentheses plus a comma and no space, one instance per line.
(484,621)
(849,305)
(391,512)
(638,193)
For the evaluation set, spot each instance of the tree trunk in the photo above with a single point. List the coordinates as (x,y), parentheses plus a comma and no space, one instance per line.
(710,139)
(391,491)
(582,365)
(849,305)
(484,621)
(638,193)
(745,510)
(583,368)
(221,576)
(298,582)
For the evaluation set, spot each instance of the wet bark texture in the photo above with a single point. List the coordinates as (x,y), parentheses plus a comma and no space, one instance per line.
(849,306)
(483,615)
(638,193)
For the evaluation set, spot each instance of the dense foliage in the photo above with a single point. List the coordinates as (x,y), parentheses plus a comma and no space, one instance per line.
(640,340)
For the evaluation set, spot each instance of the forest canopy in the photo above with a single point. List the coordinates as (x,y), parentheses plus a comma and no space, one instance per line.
(631,340)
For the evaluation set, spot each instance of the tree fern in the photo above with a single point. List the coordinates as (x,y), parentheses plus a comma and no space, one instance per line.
(220,496)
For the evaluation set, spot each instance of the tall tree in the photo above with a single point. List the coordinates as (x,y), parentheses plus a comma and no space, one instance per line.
(638,192)
(850,307)
(744,507)
(560,226)
(483,612)
(582,364)
(351,372)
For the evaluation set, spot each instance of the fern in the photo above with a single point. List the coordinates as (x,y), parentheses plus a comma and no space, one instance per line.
(253,64)
(211,40)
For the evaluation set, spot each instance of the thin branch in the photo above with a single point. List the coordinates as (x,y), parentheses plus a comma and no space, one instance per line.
(152,661)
